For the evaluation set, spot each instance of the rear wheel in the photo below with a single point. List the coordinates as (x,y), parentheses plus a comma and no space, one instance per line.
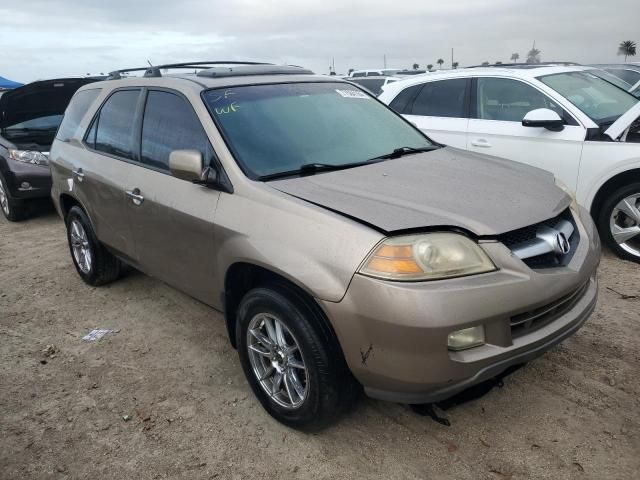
(294,368)
(10,210)
(94,263)
(619,222)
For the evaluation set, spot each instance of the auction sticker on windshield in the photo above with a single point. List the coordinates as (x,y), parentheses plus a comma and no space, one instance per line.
(352,94)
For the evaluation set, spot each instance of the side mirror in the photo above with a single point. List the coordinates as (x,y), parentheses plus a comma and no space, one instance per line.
(186,165)
(543,117)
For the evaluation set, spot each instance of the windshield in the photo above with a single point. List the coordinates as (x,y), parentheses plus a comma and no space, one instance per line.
(602,101)
(49,122)
(279,128)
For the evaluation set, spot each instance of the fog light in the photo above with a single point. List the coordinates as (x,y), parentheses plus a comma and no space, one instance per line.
(466,338)
(25,186)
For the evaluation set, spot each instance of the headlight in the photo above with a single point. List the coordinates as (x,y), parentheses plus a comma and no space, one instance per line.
(426,257)
(29,156)
(466,338)
(571,193)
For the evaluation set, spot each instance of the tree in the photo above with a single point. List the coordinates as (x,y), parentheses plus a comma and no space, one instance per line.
(533,56)
(416,66)
(440,62)
(627,48)
(429,67)
(515,57)
(455,65)
(498,62)
(485,63)
(350,71)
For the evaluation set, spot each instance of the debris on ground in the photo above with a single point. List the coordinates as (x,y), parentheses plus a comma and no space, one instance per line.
(97,334)
(50,351)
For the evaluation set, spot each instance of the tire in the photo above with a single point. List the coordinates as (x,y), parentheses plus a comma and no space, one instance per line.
(11,211)
(328,387)
(102,267)
(610,216)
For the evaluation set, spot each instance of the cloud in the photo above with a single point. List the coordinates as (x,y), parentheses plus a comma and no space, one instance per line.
(48,38)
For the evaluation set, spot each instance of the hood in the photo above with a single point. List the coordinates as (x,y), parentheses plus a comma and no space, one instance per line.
(624,122)
(38,99)
(444,188)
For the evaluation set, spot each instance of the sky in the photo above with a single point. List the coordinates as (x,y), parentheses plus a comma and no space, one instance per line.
(54,38)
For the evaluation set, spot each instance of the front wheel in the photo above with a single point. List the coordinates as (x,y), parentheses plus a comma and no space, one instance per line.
(294,368)
(619,222)
(10,210)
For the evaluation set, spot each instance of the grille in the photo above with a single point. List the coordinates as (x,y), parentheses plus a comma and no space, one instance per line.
(527,322)
(516,238)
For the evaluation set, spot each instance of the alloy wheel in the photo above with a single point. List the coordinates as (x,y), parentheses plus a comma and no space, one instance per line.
(80,247)
(4,200)
(277,361)
(625,224)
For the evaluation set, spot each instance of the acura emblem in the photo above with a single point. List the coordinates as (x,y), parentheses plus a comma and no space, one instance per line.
(563,243)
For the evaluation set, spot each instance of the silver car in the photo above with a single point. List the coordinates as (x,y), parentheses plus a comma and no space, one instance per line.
(345,248)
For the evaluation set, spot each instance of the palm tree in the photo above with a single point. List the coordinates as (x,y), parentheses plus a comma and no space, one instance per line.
(440,62)
(533,56)
(627,48)
(455,65)
(515,57)
(429,67)
(416,66)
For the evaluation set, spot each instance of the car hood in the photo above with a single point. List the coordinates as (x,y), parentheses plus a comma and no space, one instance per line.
(444,188)
(622,123)
(38,99)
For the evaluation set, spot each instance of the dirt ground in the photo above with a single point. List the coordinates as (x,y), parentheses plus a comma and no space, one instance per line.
(574,413)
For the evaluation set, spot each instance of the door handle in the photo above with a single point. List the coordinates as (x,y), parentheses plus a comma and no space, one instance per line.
(480,142)
(78,174)
(135,196)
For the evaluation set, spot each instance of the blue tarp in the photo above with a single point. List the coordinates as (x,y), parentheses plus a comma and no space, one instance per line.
(5,83)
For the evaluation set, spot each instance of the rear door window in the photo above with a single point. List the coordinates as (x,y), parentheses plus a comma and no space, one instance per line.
(113,129)
(74,113)
(169,123)
(444,98)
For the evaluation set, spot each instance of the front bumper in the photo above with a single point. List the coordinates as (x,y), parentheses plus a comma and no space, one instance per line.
(394,334)
(18,175)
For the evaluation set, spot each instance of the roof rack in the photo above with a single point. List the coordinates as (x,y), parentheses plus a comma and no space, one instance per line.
(527,65)
(246,70)
(154,71)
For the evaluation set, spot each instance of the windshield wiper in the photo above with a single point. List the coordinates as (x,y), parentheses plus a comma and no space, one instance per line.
(311,168)
(402,151)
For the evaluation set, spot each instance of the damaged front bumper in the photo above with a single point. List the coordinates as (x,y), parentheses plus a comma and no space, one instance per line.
(394,334)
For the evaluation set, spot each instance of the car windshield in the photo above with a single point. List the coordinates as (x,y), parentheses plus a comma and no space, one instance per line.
(279,128)
(602,101)
(49,122)
(611,78)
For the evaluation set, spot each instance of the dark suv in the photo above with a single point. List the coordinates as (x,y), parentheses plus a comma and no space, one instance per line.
(29,118)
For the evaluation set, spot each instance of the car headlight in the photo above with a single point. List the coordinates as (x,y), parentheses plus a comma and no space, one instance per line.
(29,156)
(571,193)
(428,256)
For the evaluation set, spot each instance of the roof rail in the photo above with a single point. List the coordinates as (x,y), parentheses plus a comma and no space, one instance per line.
(247,70)
(527,65)
(154,71)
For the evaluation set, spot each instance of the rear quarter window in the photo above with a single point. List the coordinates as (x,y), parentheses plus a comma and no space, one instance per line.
(74,113)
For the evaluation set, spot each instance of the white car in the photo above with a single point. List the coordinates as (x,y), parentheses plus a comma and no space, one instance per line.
(563,119)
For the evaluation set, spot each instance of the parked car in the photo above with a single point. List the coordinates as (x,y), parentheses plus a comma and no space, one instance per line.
(29,118)
(374,72)
(373,84)
(628,72)
(565,119)
(344,247)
